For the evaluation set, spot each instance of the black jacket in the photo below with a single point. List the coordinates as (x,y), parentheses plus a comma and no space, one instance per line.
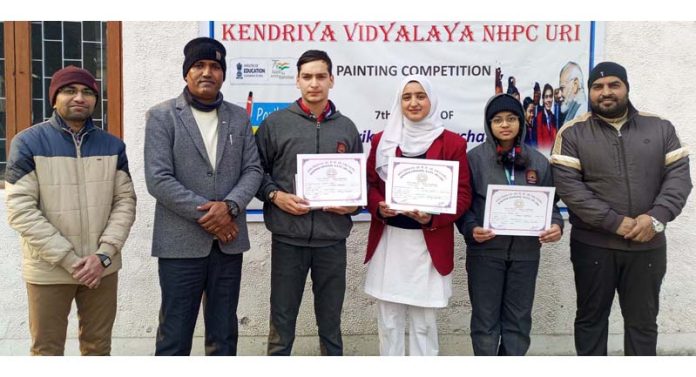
(603,175)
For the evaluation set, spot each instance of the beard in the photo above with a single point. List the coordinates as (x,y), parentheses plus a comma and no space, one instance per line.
(565,105)
(614,110)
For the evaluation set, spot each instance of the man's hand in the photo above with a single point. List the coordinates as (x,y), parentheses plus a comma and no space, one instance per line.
(228,232)
(291,203)
(626,226)
(88,271)
(218,221)
(340,210)
(643,229)
(216,217)
(552,234)
(482,235)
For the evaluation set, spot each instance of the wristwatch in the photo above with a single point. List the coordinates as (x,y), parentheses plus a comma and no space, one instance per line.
(272,195)
(658,227)
(105,260)
(232,207)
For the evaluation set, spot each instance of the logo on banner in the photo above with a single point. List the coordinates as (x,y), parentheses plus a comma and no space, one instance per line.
(281,70)
(265,71)
(253,70)
(239,71)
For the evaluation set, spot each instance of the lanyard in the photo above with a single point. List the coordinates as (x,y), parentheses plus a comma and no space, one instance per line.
(510,176)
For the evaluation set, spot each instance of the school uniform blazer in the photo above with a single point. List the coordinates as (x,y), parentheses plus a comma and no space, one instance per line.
(439,234)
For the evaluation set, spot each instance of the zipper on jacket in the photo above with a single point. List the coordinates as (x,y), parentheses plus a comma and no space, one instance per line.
(316,150)
(82,194)
(624,166)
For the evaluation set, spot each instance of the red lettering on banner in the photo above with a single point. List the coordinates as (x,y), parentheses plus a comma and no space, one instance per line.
(563,33)
(434,34)
(227,32)
(243,32)
(398,32)
(351,33)
(387,31)
(311,30)
(367,33)
(259,31)
(371,33)
(531,33)
(450,32)
(402,34)
(508,33)
(274,32)
(467,34)
(288,29)
(328,33)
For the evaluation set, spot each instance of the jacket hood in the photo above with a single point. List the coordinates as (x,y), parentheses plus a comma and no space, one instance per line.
(490,139)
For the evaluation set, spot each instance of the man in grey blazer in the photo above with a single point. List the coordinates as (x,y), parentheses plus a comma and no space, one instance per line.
(202,166)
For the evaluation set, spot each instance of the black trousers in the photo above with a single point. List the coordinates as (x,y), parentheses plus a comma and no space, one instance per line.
(216,279)
(637,277)
(502,295)
(289,268)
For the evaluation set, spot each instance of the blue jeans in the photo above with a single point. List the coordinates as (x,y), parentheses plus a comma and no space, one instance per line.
(289,267)
(184,282)
(502,295)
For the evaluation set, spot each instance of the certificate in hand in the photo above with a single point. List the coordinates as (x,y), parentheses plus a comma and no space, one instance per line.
(426,185)
(337,179)
(518,210)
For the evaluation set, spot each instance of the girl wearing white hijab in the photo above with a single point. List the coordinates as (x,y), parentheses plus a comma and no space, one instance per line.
(411,254)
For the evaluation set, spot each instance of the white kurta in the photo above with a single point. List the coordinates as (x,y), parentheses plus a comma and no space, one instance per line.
(402,271)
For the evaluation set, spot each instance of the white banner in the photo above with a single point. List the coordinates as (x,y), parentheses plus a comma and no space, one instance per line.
(465,61)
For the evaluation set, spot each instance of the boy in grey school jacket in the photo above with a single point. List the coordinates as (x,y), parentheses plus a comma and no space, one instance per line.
(304,239)
(502,270)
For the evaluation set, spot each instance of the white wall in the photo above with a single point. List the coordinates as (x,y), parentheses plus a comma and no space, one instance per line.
(660,61)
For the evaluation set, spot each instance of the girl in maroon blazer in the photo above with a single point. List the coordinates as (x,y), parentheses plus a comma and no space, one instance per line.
(411,254)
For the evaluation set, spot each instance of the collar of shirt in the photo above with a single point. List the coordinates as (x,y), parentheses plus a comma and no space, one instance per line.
(77,135)
(616,122)
(320,118)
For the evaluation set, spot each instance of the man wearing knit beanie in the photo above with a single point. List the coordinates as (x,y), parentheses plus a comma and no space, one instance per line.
(606,69)
(70,196)
(74,93)
(623,175)
(200,163)
(204,48)
(71,75)
(612,102)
